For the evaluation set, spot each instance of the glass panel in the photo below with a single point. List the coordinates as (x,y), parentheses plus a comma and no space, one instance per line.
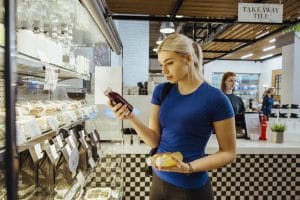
(246,85)
(2,105)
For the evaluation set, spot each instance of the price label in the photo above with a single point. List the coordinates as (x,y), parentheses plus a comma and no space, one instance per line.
(53,123)
(59,141)
(71,142)
(51,78)
(53,152)
(80,178)
(38,151)
(73,160)
(66,117)
(68,149)
(33,128)
(92,162)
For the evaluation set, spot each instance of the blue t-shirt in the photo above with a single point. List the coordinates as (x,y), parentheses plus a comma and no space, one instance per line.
(186,122)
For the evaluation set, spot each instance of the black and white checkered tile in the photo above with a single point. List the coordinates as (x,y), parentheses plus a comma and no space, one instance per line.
(273,177)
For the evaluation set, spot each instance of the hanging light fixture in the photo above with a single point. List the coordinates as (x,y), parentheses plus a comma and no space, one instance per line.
(160,39)
(167,27)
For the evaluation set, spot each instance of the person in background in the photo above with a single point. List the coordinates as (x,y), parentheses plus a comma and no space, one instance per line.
(228,87)
(184,122)
(268,102)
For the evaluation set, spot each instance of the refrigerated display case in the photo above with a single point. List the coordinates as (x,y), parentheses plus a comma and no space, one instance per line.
(57,154)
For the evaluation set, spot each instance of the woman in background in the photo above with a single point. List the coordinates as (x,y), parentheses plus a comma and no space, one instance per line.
(268,101)
(228,87)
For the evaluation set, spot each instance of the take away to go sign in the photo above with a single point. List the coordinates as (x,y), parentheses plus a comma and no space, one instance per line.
(260,12)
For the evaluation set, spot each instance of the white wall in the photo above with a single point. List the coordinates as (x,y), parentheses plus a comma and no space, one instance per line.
(135,40)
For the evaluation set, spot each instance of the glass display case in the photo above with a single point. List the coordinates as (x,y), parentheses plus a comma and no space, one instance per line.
(58,153)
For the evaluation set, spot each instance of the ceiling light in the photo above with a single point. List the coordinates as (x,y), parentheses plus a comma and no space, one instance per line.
(261,35)
(179,16)
(167,27)
(266,56)
(247,56)
(155,49)
(269,48)
(160,39)
(272,40)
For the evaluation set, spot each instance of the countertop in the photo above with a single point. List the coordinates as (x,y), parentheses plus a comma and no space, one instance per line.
(291,145)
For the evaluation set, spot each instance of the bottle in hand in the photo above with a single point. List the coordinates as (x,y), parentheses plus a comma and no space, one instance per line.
(117,98)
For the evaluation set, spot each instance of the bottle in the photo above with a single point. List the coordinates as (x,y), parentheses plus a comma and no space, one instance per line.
(166,160)
(117,98)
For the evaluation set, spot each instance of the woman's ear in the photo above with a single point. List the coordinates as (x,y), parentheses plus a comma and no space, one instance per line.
(189,58)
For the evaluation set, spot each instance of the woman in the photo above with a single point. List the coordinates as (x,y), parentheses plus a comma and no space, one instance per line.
(228,86)
(184,122)
(268,101)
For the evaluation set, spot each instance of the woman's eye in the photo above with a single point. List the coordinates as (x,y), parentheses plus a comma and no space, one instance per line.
(170,63)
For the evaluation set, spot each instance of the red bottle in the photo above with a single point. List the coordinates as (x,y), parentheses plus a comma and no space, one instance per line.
(117,98)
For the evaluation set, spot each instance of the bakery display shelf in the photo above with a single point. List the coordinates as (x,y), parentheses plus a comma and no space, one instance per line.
(44,136)
(77,186)
(31,66)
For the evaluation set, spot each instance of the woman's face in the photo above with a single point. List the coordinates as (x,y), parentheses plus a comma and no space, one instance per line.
(230,82)
(174,67)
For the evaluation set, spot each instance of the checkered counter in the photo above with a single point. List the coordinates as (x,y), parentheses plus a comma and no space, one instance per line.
(252,176)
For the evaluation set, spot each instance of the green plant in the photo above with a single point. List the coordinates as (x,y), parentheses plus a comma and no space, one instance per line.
(278,127)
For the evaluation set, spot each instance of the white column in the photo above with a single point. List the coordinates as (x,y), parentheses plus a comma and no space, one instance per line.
(291,73)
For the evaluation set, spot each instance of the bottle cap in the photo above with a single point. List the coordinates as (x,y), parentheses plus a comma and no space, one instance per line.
(107,91)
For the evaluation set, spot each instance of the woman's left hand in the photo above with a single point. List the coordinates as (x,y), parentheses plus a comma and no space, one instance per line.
(181,167)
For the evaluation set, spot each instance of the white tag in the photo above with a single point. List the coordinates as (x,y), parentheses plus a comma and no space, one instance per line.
(66,117)
(68,149)
(73,160)
(80,178)
(33,128)
(59,141)
(38,151)
(92,162)
(51,78)
(53,123)
(70,139)
(54,152)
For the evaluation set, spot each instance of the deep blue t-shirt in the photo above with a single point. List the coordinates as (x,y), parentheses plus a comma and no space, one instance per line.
(186,122)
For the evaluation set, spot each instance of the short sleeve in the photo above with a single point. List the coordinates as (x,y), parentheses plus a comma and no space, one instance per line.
(156,96)
(222,109)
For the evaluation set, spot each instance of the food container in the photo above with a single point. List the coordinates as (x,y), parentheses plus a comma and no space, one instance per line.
(100,193)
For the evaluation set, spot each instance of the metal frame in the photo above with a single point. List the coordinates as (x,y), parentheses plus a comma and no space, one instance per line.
(11,163)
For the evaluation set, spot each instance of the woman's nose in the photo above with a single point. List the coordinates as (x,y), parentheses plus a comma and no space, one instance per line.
(164,70)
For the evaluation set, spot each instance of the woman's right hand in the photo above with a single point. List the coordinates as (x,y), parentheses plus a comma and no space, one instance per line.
(121,112)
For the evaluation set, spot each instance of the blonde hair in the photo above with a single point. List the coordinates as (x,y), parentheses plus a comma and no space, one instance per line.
(184,46)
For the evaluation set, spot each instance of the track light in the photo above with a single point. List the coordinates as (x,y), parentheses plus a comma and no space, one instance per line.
(167,27)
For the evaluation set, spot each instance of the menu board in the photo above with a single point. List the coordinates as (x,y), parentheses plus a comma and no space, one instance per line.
(252,122)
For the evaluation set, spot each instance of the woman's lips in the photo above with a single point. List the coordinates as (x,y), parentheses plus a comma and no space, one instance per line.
(169,77)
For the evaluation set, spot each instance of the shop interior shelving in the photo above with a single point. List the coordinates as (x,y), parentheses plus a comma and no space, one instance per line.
(27,65)
(46,135)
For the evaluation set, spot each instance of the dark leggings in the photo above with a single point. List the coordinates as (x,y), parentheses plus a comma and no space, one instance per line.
(161,190)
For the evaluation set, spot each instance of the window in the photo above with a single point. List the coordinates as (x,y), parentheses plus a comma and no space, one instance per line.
(246,85)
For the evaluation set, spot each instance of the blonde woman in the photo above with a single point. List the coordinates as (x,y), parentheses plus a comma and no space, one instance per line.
(183,122)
